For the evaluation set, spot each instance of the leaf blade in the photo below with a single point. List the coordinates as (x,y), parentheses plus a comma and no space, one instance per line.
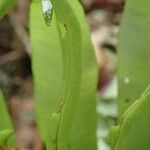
(134,129)
(134,54)
(5,5)
(5,123)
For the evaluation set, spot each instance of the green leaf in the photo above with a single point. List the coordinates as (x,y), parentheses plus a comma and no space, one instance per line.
(83,135)
(134,53)
(134,131)
(4,136)
(5,5)
(5,123)
(113,134)
(47,69)
(70,40)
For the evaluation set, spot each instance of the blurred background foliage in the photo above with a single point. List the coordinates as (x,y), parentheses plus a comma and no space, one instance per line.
(104,18)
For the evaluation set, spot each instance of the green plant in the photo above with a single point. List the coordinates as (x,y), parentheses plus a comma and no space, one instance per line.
(6,128)
(133,130)
(63,43)
(133,53)
(5,5)
(65,77)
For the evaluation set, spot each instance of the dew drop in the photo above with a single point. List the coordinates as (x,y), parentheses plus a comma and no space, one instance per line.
(47,10)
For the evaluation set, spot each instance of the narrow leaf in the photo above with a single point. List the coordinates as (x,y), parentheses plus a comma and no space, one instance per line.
(134,131)
(5,5)
(134,53)
(5,124)
(4,136)
(70,40)
(83,135)
(47,68)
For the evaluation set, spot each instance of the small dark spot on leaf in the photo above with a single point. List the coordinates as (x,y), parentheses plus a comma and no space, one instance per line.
(66,30)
